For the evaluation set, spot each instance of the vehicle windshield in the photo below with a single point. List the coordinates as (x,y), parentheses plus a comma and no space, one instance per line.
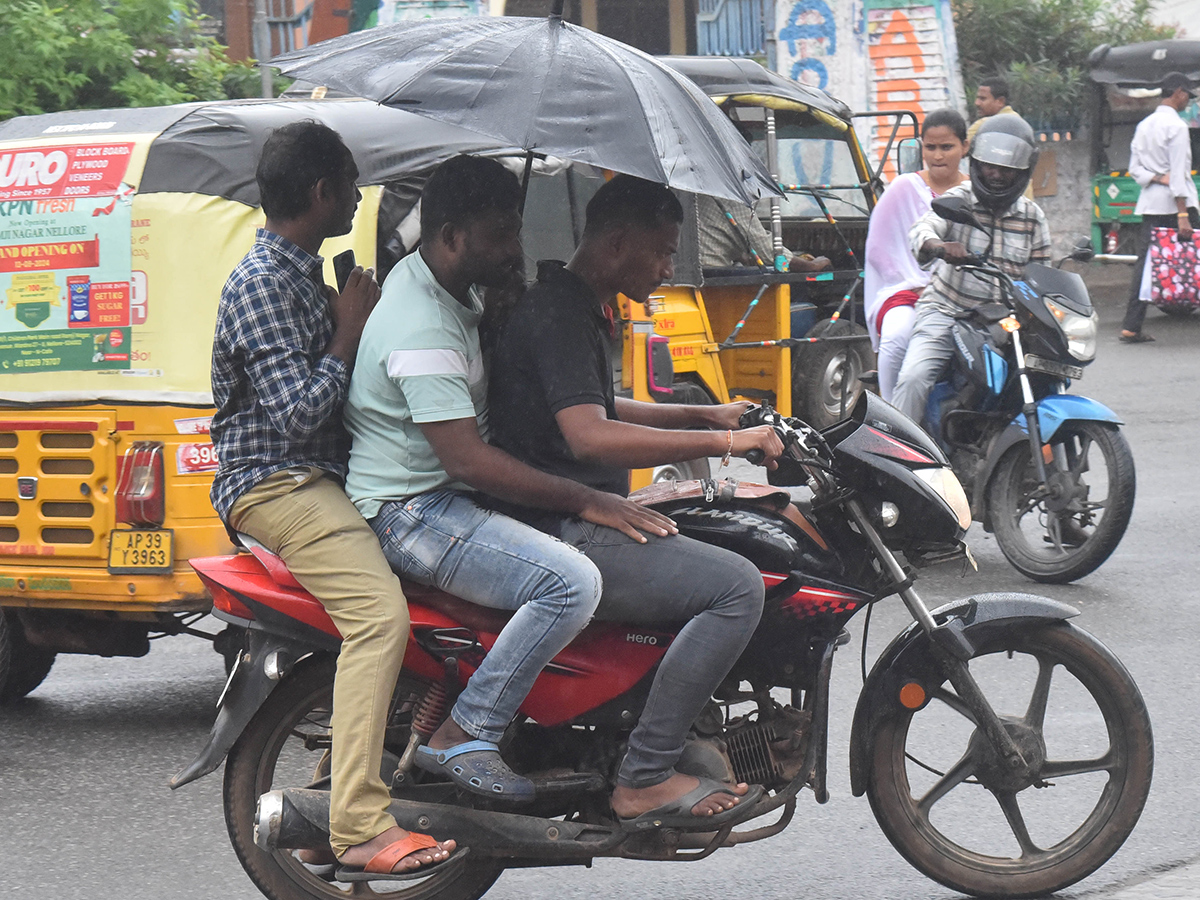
(813,154)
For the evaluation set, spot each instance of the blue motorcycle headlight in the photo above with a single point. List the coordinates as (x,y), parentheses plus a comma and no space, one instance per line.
(1080,331)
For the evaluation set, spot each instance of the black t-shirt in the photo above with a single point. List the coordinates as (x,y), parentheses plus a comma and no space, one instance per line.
(552,352)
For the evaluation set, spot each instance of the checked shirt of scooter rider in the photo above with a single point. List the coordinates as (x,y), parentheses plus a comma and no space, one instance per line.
(1003,155)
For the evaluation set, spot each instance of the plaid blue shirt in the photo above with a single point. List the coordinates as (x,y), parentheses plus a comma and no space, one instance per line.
(279,396)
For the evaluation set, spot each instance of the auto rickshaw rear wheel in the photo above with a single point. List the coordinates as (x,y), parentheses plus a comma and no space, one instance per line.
(27,665)
(825,374)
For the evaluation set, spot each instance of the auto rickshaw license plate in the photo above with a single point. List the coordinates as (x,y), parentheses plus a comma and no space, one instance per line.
(141,551)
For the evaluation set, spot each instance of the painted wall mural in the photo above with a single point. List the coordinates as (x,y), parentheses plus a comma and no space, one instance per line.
(873,54)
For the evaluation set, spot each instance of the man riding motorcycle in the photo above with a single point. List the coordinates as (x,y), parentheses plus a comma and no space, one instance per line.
(1015,234)
(553,405)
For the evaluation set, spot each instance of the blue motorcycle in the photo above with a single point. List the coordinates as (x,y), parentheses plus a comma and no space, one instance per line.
(1049,473)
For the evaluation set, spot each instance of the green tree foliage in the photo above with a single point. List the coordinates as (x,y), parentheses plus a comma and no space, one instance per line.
(93,54)
(1041,47)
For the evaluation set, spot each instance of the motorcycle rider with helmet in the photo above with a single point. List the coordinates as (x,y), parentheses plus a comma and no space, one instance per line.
(1015,234)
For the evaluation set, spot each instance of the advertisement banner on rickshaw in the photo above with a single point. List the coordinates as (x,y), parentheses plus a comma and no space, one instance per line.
(68,294)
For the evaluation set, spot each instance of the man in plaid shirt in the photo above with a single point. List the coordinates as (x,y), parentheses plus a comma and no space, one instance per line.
(284,347)
(1002,159)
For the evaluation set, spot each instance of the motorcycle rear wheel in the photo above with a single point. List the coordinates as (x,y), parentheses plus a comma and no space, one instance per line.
(960,824)
(1022,522)
(272,753)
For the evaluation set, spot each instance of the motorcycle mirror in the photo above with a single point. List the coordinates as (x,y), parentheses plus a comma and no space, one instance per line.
(908,155)
(1082,250)
(954,209)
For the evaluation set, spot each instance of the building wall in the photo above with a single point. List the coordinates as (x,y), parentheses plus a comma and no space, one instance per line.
(1062,187)
(909,50)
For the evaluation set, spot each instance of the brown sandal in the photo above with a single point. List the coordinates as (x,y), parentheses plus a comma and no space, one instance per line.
(379,867)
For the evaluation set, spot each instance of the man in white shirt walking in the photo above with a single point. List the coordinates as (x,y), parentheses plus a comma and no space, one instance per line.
(1160,161)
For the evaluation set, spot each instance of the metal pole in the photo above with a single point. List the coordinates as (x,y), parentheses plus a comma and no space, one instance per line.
(773,168)
(262,47)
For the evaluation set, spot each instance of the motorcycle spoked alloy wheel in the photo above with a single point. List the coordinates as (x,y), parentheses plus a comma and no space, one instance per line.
(1067,533)
(286,744)
(963,819)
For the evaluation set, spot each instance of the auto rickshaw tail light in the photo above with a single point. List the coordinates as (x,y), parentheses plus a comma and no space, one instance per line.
(141,485)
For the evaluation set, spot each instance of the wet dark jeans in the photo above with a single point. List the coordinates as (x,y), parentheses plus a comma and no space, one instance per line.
(716,595)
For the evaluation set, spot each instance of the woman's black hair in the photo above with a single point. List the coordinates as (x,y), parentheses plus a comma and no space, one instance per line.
(293,159)
(946,118)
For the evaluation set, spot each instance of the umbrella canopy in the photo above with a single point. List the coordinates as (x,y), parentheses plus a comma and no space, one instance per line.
(545,86)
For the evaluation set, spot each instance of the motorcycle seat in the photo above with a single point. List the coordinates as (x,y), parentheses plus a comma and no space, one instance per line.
(272,562)
(480,618)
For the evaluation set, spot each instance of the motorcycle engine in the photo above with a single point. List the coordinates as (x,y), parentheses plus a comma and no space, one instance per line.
(768,749)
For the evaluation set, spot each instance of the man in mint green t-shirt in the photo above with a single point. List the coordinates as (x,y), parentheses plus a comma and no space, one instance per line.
(417,414)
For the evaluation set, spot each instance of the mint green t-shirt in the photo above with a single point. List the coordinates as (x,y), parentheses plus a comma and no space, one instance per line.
(418,362)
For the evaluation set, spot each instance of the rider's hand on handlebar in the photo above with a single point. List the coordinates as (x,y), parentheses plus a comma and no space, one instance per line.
(613,511)
(955,253)
(728,416)
(762,438)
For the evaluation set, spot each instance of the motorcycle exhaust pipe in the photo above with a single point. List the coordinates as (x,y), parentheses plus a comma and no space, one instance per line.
(298,819)
(292,820)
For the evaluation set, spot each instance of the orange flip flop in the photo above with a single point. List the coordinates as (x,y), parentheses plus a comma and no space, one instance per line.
(379,867)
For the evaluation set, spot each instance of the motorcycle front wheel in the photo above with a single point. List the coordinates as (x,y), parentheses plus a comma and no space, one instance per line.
(961,817)
(1059,535)
(287,744)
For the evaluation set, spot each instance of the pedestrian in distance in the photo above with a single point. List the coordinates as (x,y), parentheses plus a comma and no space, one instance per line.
(1160,161)
(284,347)
(893,280)
(991,99)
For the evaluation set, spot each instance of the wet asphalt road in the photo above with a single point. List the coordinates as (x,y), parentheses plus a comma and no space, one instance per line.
(84,760)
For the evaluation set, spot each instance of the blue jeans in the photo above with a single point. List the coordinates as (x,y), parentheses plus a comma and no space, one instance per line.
(445,539)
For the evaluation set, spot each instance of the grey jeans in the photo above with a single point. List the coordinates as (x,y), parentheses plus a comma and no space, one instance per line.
(717,598)
(930,348)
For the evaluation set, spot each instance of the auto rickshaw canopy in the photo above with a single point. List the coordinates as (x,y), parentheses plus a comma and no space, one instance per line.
(1144,65)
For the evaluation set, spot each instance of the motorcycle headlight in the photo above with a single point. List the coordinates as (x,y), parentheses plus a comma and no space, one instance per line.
(1080,331)
(948,487)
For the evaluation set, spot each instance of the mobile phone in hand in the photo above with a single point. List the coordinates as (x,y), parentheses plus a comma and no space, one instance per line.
(343,265)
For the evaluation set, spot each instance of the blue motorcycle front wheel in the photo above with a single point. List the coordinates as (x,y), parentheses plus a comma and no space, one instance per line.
(1060,531)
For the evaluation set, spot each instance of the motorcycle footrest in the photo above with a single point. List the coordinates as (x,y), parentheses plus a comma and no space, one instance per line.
(568,783)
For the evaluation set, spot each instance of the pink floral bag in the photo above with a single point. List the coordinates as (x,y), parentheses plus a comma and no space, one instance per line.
(1174,269)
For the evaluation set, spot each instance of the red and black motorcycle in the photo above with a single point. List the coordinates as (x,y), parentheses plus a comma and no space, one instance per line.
(966,710)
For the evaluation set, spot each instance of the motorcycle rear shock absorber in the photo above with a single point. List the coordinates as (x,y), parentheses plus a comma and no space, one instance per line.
(428,715)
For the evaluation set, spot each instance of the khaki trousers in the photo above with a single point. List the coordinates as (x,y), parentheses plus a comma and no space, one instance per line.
(303,515)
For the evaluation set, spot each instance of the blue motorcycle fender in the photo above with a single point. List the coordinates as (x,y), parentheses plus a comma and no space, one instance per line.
(909,658)
(1053,412)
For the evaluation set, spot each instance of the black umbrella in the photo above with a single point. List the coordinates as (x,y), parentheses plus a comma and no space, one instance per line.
(549,87)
